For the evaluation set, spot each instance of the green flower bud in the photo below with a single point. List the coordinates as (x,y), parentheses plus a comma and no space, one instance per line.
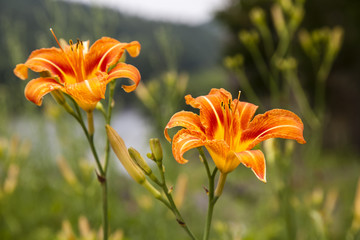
(234,62)
(58,96)
(119,147)
(257,16)
(139,160)
(336,38)
(249,38)
(156,149)
(286,64)
(278,18)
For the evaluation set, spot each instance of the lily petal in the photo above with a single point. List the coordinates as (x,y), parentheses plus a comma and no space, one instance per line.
(88,92)
(183,141)
(276,123)
(48,59)
(106,51)
(123,70)
(21,71)
(253,159)
(212,114)
(218,150)
(184,119)
(37,88)
(244,113)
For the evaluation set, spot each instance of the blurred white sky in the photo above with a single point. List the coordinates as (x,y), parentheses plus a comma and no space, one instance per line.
(184,11)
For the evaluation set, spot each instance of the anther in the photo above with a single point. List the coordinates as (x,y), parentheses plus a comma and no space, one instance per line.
(71,45)
(222,106)
(238,98)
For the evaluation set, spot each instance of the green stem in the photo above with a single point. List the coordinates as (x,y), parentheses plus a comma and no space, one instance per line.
(267,39)
(105,209)
(213,197)
(204,160)
(102,176)
(90,117)
(171,204)
(321,77)
(266,75)
(301,99)
(90,139)
(107,120)
(209,217)
(221,184)
(106,163)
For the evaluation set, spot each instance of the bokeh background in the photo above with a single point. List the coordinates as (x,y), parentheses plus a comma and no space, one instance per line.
(299,55)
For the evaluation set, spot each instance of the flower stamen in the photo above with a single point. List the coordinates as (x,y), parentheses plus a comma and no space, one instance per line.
(57,41)
(66,56)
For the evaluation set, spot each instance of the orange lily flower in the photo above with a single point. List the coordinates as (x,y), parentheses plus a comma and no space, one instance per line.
(78,71)
(225,128)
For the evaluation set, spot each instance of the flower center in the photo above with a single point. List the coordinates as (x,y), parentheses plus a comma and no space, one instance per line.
(229,113)
(75,58)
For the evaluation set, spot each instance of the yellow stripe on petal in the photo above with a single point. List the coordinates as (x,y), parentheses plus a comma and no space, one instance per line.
(218,150)
(184,119)
(87,93)
(253,159)
(123,70)
(246,112)
(183,141)
(106,52)
(37,88)
(52,60)
(212,111)
(276,123)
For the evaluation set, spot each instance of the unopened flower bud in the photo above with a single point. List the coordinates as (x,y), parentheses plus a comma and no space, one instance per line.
(100,107)
(11,179)
(151,156)
(145,96)
(234,62)
(257,16)
(297,16)
(289,147)
(119,147)
(139,160)
(180,189)
(286,5)
(66,171)
(58,96)
(156,149)
(286,64)
(336,38)
(271,150)
(151,189)
(60,99)
(307,43)
(249,38)
(356,219)
(182,83)
(278,19)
